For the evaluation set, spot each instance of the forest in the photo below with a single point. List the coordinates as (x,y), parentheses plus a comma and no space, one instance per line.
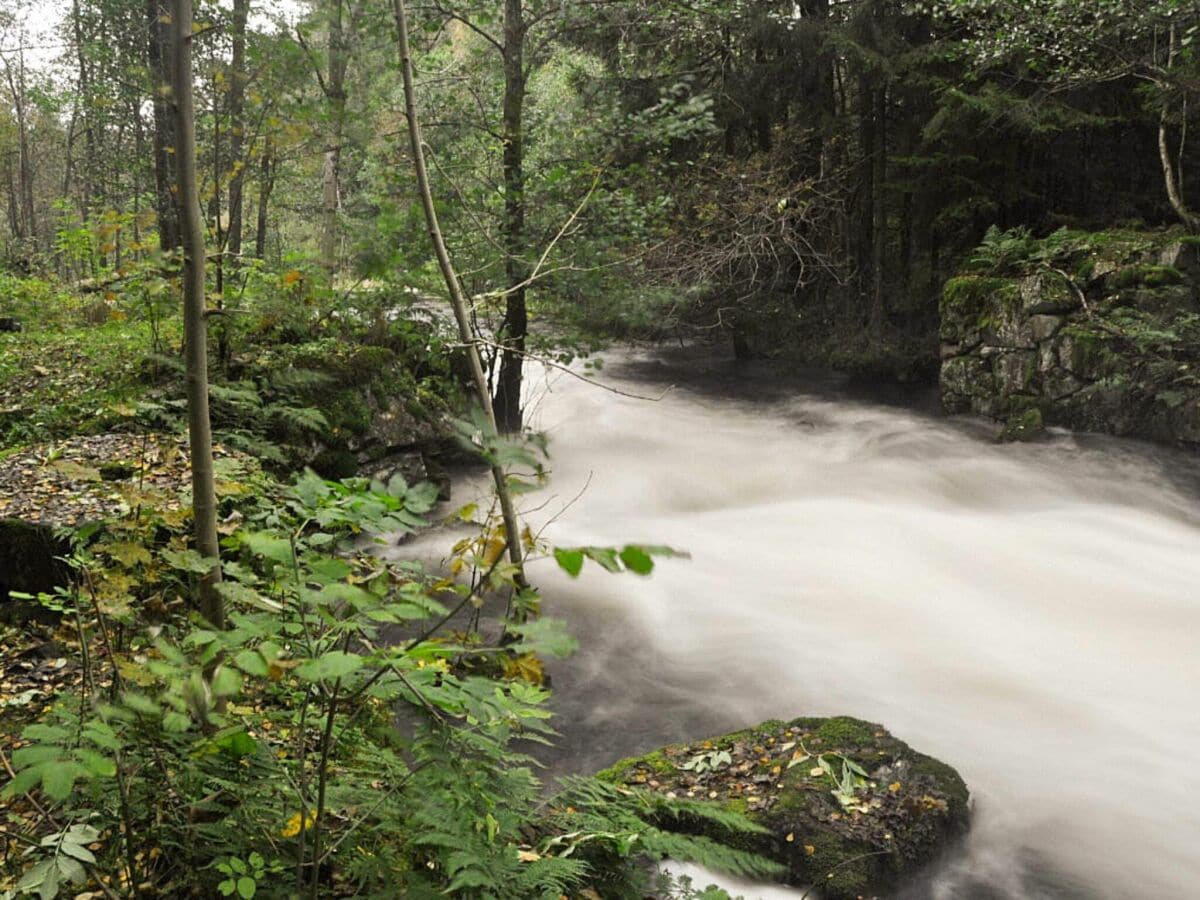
(523,449)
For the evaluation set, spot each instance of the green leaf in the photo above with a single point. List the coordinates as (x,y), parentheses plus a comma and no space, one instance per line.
(59,779)
(570,561)
(235,741)
(246,888)
(265,544)
(544,636)
(176,722)
(252,663)
(78,851)
(238,593)
(226,682)
(328,666)
(31,756)
(97,763)
(189,561)
(605,556)
(36,876)
(637,560)
(71,870)
(26,781)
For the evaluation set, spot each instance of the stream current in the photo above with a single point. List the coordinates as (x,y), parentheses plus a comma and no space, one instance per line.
(1028,613)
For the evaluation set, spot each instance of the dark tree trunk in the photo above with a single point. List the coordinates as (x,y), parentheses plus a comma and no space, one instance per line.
(879,214)
(515,325)
(166,205)
(266,181)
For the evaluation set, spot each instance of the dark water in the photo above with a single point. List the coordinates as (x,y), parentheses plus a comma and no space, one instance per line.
(1029,614)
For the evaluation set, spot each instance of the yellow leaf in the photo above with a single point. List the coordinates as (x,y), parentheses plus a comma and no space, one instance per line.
(810,849)
(492,551)
(294,826)
(526,667)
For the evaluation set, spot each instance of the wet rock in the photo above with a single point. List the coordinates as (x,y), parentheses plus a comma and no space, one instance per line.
(1183,256)
(846,806)
(1047,292)
(1024,426)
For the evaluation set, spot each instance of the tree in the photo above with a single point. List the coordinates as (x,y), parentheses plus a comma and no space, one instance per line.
(458,299)
(204,506)
(1065,45)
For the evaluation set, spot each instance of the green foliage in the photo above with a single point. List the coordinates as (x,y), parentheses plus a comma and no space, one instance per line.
(269,755)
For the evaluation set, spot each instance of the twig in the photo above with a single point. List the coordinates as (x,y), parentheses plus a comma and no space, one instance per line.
(557,365)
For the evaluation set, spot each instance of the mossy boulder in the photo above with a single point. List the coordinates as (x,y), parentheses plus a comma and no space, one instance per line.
(846,806)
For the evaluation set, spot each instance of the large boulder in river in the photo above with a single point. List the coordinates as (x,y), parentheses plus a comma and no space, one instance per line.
(847,807)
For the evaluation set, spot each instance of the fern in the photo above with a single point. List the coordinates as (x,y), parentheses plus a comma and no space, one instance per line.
(304,418)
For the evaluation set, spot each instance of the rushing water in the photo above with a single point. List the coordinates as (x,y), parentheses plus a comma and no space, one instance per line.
(1028,613)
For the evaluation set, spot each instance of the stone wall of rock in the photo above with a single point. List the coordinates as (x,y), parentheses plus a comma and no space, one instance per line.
(1096,332)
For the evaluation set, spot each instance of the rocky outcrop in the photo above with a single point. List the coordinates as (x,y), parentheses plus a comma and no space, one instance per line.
(1096,332)
(380,402)
(846,806)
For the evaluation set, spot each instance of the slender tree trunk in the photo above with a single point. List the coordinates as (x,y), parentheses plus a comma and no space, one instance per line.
(89,133)
(204,506)
(166,204)
(1172,174)
(515,326)
(24,188)
(237,128)
(879,215)
(265,183)
(458,300)
(335,94)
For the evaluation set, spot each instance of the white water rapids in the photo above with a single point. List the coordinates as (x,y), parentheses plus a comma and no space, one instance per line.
(1027,613)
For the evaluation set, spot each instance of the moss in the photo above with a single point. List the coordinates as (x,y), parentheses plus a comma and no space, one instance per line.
(335,464)
(1148,275)
(1023,426)
(836,867)
(971,291)
(949,782)
(843,732)
(656,762)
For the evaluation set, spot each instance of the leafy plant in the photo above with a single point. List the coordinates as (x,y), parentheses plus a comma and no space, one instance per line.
(708,762)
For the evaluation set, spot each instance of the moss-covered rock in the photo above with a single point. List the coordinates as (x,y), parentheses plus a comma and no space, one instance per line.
(1023,426)
(1096,331)
(29,563)
(847,806)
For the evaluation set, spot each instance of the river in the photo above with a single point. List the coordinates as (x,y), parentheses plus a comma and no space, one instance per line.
(1028,613)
